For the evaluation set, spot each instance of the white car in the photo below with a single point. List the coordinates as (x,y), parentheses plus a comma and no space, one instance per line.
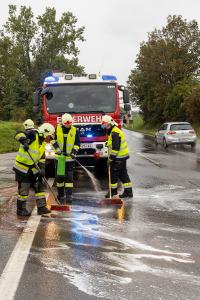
(176,133)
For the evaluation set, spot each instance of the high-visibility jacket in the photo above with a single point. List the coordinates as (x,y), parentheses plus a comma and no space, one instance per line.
(70,141)
(23,162)
(122,152)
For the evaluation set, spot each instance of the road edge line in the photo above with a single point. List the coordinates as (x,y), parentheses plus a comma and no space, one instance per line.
(149,159)
(11,275)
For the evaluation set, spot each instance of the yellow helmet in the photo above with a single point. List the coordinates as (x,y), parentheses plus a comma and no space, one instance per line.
(46,129)
(66,119)
(28,124)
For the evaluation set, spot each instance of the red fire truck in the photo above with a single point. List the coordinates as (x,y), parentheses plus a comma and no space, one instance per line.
(86,98)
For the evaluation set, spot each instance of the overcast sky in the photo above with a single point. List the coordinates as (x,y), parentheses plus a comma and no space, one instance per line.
(114,29)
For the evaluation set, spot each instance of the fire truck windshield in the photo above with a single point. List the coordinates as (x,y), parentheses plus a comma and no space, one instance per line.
(82,98)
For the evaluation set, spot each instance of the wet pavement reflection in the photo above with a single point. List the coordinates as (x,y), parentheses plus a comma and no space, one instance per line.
(146,248)
(102,251)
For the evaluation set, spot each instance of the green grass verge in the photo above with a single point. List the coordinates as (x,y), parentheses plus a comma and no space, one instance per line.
(7,134)
(138,125)
(8,131)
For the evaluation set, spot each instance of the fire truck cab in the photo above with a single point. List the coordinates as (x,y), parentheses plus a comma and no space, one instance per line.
(87,98)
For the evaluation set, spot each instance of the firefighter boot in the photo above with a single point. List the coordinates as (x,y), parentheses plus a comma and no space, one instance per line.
(69,199)
(41,207)
(43,210)
(21,209)
(61,196)
(128,193)
(62,199)
(113,193)
(68,193)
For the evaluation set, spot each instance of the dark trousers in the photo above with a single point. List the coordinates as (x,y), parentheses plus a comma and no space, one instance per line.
(118,172)
(64,184)
(24,185)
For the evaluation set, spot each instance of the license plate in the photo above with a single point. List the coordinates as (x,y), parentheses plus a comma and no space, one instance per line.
(86,146)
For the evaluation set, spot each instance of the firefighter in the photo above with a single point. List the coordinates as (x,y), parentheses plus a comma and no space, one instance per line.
(117,156)
(67,143)
(26,173)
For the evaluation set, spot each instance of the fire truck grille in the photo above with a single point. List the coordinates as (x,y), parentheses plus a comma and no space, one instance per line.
(86,151)
(90,130)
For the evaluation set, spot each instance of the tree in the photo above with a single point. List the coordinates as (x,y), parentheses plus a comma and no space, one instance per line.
(22,29)
(170,56)
(28,49)
(192,105)
(175,109)
(56,43)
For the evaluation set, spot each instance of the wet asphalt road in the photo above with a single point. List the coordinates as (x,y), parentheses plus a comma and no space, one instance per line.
(146,249)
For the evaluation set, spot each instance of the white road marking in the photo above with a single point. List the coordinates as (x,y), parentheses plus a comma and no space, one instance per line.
(13,270)
(2,168)
(149,159)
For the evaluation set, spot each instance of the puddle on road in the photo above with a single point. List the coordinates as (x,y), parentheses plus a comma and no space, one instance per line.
(7,190)
(101,250)
(95,253)
(100,264)
(171,198)
(9,221)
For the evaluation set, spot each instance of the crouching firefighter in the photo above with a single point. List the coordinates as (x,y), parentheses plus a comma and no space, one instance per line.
(117,156)
(32,149)
(66,144)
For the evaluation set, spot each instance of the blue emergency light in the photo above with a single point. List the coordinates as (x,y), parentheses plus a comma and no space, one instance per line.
(51,79)
(109,77)
(89,135)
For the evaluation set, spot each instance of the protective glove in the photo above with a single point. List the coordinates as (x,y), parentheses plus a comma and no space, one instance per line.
(42,172)
(73,153)
(26,147)
(112,157)
(22,139)
(58,151)
(109,161)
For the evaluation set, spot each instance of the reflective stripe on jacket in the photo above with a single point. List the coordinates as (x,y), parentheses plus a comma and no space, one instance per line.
(23,161)
(42,152)
(70,140)
(123,151)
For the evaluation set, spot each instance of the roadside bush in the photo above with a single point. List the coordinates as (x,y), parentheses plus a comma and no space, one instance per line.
(7,133)
(192,105)
(19,114)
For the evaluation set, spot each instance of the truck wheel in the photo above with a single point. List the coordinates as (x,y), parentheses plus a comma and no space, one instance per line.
(193,145)
(165,143)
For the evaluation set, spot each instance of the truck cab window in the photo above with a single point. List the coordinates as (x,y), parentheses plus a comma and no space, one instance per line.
(82,98)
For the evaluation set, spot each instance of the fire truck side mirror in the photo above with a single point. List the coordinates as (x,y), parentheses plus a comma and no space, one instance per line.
(125,96)
(127,107)
(47,92)
(35,109)
(36,100)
